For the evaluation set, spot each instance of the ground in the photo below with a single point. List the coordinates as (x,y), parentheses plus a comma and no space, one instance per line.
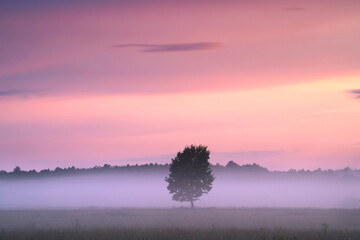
(180,223)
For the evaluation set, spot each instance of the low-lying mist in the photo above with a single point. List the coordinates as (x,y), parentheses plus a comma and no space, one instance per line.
(148,190)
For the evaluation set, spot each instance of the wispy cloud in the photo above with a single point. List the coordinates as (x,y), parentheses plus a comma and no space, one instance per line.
(17,93)
(214,156)
(165,158)
(176,47)
(356,92)
(246,154)
(295,9)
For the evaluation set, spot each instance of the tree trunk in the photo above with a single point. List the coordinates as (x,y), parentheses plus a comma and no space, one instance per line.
(192,203)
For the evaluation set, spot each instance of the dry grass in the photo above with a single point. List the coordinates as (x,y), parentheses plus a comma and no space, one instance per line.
(207,223)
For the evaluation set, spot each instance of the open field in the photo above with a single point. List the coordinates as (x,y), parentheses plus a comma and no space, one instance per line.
(181,223)
(165,234)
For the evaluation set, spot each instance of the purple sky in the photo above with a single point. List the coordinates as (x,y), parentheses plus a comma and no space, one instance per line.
(91,82)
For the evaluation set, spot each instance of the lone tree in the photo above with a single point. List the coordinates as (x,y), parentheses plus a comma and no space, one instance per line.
(190,174)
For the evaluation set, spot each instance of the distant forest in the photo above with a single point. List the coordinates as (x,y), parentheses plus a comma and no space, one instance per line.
(230,168)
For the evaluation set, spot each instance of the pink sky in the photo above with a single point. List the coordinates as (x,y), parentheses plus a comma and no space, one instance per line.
(272,82)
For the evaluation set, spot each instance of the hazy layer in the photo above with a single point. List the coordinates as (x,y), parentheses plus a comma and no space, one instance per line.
(149,190)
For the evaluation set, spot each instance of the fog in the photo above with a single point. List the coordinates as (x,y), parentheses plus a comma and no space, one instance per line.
(145,190)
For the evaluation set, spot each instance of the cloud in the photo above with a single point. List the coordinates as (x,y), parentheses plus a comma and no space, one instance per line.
(214,157)
(161,159)
(18,93)
(246,154)
(176,47)
(356,92)
(37,82)
(245,61)
(295,9)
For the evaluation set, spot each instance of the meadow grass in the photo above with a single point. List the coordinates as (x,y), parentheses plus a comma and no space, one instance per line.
(180,223)
(169,233)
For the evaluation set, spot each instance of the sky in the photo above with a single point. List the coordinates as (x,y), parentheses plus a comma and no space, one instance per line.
(85,83)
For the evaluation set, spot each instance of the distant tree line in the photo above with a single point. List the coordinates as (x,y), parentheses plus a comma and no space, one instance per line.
(106,168)
(230,168)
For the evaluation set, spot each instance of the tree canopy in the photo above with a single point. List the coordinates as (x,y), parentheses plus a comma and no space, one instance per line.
(190,174)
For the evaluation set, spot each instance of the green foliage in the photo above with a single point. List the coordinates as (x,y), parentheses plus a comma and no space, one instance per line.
(190,174)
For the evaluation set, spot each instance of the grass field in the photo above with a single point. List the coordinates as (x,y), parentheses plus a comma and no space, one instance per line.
(181,223)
